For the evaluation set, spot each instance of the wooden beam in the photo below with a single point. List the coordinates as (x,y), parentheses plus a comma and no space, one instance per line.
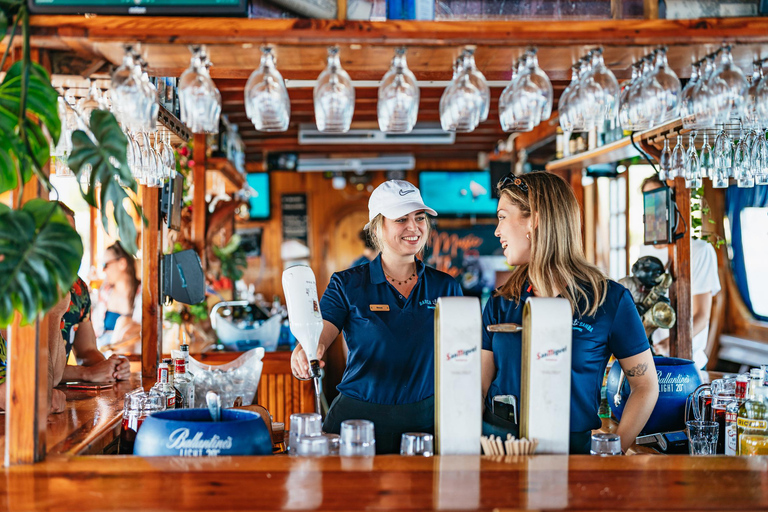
(198,203)
(651,9)
(151,311)
(681,336)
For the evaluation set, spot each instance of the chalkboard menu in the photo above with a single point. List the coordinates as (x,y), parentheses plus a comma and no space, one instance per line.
(294,208)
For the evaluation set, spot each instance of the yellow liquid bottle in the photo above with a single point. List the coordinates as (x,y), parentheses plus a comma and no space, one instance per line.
(753,424)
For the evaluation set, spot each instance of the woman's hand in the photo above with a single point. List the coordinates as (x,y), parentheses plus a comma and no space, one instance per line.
(299,363)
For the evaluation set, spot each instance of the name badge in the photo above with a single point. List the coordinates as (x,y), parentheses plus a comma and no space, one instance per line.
(379,307)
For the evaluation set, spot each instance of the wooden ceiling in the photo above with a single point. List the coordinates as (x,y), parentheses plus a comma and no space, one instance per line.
(366,49)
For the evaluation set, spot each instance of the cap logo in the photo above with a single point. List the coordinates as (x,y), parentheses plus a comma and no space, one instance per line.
(404,192)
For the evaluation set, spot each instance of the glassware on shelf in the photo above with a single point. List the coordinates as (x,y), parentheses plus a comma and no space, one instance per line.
(723,153)
(334,96)
(677,167)
(266,97)
(742,164)
(729,87)
(665,161)
(692,164)
(129,99)
(751,118)
(564,108)
(398,103)
(760,158)
(606,95)
(669,85)
(199,98)
(702,101)
(706,159)
(686,98)
(478,80)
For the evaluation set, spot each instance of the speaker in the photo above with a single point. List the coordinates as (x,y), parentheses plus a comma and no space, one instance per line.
(499,169)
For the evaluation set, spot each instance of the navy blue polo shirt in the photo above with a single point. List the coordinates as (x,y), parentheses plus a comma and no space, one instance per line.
(390,337)
(615,329)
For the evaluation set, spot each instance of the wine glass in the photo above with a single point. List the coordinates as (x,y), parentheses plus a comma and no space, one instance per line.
(703,107)
(199,99)
(564,108)
(665,161)
(398,104)
(686,98)
(478,80)
(334,96)
(625,116)
(692,164)
(266,97)
(706,162)
(678,159)
(742,165)
(760,159)
(729,87)
(669,86)
(723,155)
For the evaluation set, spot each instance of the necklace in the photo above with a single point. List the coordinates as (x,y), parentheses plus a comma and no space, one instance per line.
(401,283)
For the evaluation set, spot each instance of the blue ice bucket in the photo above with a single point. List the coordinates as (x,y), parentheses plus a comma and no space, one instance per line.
(677,379)
(190,432)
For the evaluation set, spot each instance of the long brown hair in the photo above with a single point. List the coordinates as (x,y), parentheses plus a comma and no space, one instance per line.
(557,257)
(121,254)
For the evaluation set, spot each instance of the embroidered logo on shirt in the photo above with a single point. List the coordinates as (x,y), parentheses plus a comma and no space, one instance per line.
(578,325)
(379,307)
(431,304)
(406,192)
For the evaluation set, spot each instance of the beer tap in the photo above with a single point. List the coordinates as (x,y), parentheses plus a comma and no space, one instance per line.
(300,288)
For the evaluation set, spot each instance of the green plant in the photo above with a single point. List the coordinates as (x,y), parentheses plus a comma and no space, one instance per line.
(232,258)
(39,251)
(698,211)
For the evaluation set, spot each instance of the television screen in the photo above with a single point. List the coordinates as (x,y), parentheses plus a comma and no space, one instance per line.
(456,194)
(658,216)
(259,199)
(171,200)
(147,7)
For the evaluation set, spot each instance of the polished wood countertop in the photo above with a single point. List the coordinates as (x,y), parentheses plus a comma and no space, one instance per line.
(389,483)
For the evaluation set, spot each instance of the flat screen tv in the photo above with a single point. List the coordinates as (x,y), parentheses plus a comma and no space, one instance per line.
(259,200)
(458,194)
(658,216)
(142,7)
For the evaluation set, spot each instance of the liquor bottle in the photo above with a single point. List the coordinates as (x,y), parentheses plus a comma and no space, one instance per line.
(169,362)
(164,387)
(746,409)
(753,426)
(185,355)
(184,386)
(732,414)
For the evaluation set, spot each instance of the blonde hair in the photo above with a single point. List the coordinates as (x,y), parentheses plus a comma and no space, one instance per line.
(376,232)
(557,257)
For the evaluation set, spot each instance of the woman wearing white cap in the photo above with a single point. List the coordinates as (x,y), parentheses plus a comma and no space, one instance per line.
(386,310)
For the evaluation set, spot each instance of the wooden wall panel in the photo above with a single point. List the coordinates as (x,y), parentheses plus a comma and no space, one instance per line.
(280,392)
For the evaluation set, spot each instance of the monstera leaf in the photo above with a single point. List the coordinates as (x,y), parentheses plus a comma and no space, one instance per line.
(106,158)
(41,108)
(39,257)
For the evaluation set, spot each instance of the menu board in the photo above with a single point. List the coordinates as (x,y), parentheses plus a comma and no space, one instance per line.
(294,214)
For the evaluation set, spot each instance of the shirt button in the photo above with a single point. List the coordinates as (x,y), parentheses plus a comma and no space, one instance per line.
(402,297)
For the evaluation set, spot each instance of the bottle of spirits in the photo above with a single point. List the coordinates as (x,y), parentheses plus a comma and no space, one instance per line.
(184,386)
(164,387)
(169,362)
(185,355)
(746,410)
(753,426)
(732,414)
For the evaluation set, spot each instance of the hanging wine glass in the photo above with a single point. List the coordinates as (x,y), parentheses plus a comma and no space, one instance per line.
(678,159)
(334,96)
(266,97)
(669,86)
(760,159)
(398,104)
(93,100)
(728,87)
(751,116)
(686,99)
(742,165)
(706,160)
(564,108)
(199,99)
(665,162)
(478,80)
(127,96)
(692,164)
(703,103)
(607,89)
(723,155)
(625,116)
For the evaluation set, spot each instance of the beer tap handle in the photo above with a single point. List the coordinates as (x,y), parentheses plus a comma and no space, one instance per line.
(504,328)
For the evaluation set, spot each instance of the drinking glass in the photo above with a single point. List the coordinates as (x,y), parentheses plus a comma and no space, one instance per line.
(760,159)
(702,437)
(333,443)
(357,439)
(478,80)
(607,88)
(625,117)
(528,96)
(686,98)
(703,108)
(199,99)
(706,161)
(417,443)
(398,104)
(266,98)
(665,161)
(724,154)
(544,84)
(461,102)
(692,164)
(677,167)
(729,87)
(127,93)
(605,444)
(310,446)
(669,86)
(564,108)
(742,164)
(751,118)
(334,96)
(303,425)
(93,100)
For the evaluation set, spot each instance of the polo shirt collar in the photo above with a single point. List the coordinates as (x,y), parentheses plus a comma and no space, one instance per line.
(377,271)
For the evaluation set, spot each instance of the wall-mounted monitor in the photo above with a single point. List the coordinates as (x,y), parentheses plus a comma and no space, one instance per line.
(658,216)
(259,200)
(142,7)
(458,194)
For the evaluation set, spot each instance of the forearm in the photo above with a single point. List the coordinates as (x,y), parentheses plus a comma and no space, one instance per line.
(74,372)
(90,357)
(640,404)
(57,353)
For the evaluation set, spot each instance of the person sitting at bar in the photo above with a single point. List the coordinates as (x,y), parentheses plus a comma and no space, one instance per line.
(539,226)
(369,252)
(77,334)
(705,284)
(386,310)
(117,311)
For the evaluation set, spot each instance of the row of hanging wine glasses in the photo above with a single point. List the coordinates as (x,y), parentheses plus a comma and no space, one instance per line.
(652,96)
(592,97)
(134,97)
(527,100)
(745,160)
(151,157)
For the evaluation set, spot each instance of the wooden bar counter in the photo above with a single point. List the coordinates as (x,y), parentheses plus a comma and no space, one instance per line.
(389,483)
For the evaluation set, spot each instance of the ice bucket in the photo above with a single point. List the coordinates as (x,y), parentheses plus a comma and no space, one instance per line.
(190,432)
(677,379)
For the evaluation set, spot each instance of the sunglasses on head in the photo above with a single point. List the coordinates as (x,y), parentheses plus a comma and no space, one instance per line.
(510,180)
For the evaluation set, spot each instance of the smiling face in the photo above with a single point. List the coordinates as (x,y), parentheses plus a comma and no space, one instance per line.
(512,230)
(406,235)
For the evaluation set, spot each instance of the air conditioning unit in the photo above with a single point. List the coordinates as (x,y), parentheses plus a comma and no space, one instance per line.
(422,133)
(356,164)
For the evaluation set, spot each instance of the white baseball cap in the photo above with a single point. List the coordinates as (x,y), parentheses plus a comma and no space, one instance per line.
(395,198)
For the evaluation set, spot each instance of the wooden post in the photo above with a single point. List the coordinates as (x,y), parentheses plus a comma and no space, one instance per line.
(651,9)
(151,311)
(574,178)
(198,202)
(681,336)
(27,384)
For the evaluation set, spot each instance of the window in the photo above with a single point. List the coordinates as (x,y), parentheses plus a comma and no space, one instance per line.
(754,228)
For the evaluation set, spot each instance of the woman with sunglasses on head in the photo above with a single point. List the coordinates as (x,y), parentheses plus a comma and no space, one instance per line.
(386,310)
(539,227)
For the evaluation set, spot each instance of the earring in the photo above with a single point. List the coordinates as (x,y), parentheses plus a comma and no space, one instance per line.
(528,236)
